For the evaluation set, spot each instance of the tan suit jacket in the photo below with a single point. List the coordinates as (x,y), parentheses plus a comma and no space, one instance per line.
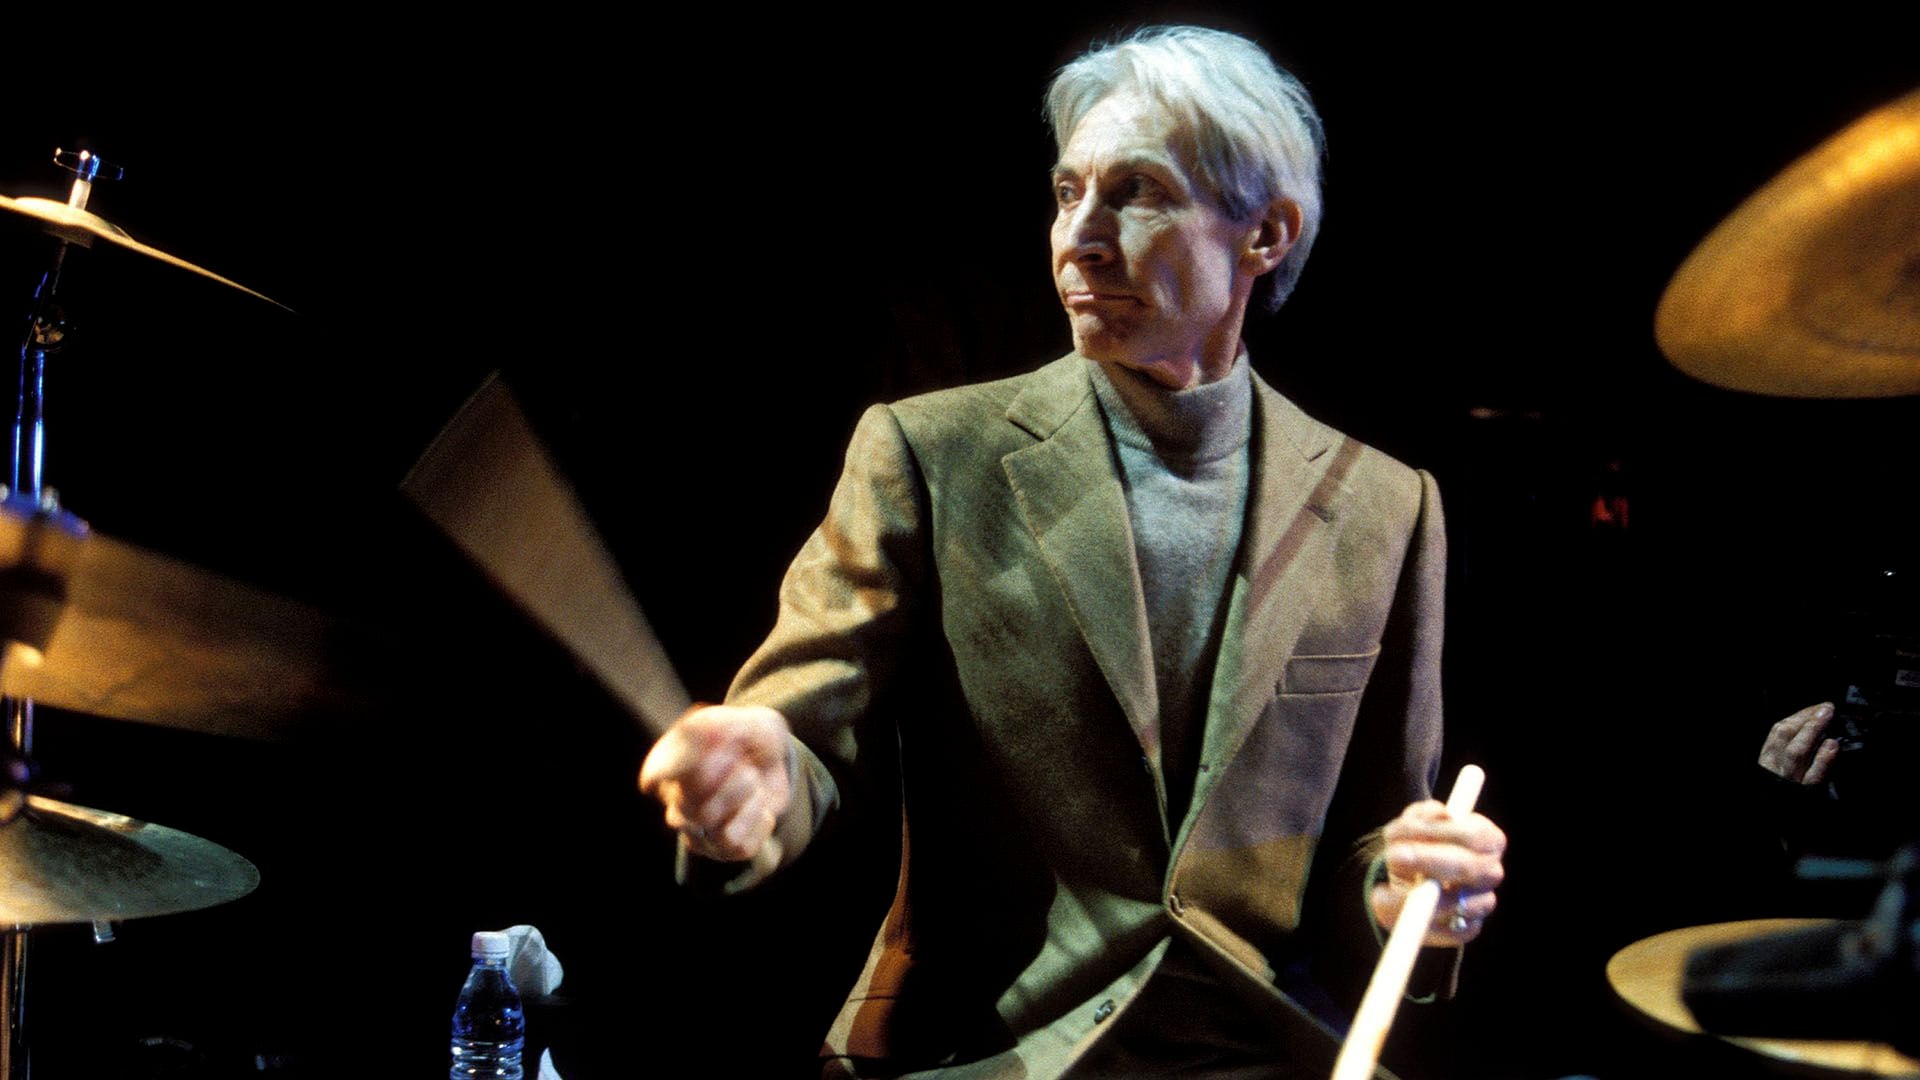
(966,628)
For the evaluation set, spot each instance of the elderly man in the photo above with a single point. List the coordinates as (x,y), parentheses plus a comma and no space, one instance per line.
(1148,655)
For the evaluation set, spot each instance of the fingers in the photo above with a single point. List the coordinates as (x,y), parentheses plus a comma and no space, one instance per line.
(1457,919)
(1460,917)
(721,773)
(751,826)
(1789,751)
(1822,761)
(703,744)
(732,826)
(1455,867)
(710,807)
(1812,722)
(1471,906)
(1464,854)
(1429,823)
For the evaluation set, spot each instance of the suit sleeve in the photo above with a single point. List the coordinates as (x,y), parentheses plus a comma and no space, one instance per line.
(846,603)
(1394,757)
(1415,634)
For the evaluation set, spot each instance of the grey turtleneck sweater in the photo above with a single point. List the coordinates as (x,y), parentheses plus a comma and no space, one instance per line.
(1183,457)
(1185,464)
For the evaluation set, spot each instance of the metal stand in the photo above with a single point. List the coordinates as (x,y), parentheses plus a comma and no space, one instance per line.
(15,1055)
(16,1058)
(46,329)
(46,332)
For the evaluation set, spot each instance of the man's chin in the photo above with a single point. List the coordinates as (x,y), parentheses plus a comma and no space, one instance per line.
(1102,343)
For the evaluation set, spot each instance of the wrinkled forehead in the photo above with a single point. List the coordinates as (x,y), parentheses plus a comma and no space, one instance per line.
(1128,123)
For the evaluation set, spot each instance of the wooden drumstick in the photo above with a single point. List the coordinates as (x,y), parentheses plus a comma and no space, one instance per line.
(1361,1051)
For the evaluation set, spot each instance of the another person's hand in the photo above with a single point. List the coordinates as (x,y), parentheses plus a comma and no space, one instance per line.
(1462,854)
(721,772)
(1794,749)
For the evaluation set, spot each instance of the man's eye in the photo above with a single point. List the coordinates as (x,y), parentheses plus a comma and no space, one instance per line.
(1140,189)
(1065,194)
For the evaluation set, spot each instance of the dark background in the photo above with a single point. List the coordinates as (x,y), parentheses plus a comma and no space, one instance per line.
(698,252)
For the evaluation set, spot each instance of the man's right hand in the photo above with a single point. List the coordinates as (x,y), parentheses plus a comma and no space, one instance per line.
(1790,750)
(722,772)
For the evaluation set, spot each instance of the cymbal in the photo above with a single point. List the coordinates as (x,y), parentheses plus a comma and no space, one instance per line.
(1647,975)
(61,863)
(1811,288)
(84,227)
(140,636)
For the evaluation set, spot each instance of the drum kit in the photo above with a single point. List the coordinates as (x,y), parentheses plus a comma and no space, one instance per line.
(95,625)
(1809,289)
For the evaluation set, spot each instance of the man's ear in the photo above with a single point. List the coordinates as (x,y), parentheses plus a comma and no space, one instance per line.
(1272,236)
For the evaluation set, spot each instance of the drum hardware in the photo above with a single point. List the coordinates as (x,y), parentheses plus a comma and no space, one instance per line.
(1647,975)
(129,634)
(1817,994)
(72,223)
(60,862)
(1811,288)
(1853,979)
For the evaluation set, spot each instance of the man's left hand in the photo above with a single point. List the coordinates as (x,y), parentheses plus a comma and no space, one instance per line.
(1462,854)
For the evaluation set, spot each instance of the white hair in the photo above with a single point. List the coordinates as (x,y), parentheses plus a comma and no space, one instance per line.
(1256,136)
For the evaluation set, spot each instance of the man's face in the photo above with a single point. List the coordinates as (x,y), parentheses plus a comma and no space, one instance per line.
(1153,276)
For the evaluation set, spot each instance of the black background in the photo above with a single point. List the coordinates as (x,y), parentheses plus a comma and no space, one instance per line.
(698,250)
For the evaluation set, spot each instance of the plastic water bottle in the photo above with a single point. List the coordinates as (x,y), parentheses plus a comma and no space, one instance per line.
(489,1028)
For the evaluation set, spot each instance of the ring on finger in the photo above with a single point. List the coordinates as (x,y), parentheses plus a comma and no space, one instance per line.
(1459,922)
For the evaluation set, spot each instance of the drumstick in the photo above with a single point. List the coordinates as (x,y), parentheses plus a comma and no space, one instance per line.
(492,486)
(1361,1051)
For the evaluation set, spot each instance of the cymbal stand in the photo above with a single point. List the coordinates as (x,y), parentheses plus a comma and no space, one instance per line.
(46,332)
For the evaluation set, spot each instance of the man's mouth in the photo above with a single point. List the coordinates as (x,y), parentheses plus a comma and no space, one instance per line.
(1074,298)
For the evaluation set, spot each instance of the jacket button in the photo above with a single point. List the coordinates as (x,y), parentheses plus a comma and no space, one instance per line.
(1173,903)
(1104,1010)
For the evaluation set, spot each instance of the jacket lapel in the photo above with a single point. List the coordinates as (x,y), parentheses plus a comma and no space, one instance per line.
(1299,467)
(1067,489)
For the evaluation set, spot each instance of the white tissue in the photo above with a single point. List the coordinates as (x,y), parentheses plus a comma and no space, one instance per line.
(535,970)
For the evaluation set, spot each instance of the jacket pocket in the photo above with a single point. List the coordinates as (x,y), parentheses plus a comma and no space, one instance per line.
(1330,674)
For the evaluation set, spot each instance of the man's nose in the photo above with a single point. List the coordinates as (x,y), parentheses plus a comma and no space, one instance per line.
(1091,231)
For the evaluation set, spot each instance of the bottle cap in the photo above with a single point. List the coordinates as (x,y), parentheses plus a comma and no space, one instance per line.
(491,944)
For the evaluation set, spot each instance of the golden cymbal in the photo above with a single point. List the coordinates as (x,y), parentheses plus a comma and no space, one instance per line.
(1811,288)
(121,632)
(1648,976)
(83,227)
(61,863)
